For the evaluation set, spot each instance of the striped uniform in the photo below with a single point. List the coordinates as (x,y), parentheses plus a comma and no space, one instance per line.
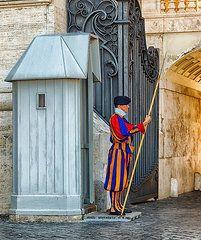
(120,152)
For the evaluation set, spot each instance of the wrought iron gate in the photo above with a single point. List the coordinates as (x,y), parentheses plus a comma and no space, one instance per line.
(128,68)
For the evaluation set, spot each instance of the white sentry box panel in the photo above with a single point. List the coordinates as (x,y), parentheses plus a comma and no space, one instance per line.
(47,148)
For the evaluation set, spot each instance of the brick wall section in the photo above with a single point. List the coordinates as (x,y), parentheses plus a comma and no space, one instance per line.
(19,25)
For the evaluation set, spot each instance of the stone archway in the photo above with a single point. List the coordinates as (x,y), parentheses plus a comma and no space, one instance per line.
(180,125)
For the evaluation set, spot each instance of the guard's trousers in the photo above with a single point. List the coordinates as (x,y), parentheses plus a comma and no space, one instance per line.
(115,198)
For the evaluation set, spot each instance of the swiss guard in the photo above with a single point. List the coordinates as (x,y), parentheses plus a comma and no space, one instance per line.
(120,153)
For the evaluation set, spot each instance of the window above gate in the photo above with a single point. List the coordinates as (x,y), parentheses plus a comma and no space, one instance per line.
(180,5)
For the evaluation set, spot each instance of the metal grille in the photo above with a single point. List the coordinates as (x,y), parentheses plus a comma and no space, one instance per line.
(99,17)
(143,72)
(128,68)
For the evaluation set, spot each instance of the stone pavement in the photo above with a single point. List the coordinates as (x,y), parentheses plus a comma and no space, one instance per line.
(168,219)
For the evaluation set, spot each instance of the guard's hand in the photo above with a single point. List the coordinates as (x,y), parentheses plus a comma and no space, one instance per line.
(147,120)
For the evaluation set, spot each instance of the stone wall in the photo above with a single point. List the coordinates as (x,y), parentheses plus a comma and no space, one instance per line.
(21,21)
(180,130)
(101,136)
(175,34)
(60,16)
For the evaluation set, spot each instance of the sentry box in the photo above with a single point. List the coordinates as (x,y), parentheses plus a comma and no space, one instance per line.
(52,125)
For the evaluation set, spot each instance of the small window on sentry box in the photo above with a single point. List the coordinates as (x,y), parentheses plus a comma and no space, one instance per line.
(41,100)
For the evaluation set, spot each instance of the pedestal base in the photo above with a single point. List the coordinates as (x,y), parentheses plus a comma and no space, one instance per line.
(105,217)
(48,205)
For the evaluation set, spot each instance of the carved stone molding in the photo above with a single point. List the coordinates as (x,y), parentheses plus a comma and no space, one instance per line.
(178,5)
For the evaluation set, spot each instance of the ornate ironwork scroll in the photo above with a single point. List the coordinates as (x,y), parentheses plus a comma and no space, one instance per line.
(150,56)
(103,18)
(98,17)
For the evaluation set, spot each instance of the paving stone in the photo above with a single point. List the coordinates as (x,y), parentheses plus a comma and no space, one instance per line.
(171,219)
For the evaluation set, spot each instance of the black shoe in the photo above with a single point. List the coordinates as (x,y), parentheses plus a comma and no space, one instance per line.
(127,210)
(116,213)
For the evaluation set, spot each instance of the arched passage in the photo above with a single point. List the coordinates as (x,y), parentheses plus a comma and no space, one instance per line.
(187,70)
(180,124)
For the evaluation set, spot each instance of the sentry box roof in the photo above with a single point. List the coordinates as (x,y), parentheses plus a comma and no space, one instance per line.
(58,57)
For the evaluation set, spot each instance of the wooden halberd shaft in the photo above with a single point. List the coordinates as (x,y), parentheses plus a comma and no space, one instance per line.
(142,140)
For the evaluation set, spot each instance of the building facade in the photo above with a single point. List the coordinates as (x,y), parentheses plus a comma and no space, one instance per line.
(174,27)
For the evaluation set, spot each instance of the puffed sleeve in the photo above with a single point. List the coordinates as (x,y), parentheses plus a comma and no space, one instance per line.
(122,129)
(135,128)
(138,128)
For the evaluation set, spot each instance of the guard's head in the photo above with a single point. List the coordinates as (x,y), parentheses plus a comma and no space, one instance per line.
(122,102)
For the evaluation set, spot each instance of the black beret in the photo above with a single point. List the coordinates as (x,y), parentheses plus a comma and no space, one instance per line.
(121,100)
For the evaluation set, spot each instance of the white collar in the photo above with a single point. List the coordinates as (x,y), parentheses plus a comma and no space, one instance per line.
(120,112)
